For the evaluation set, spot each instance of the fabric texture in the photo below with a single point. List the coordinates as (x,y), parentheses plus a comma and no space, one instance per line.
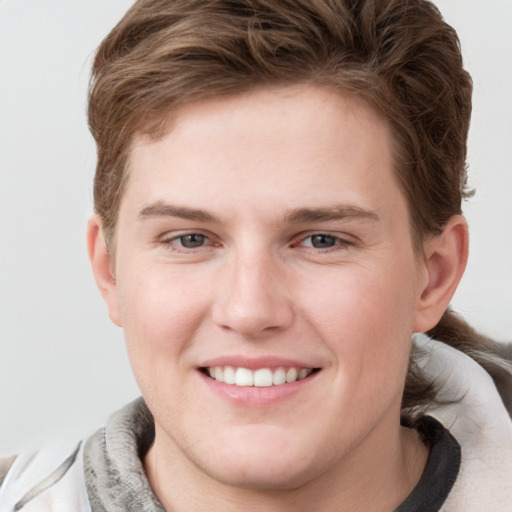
(473,411)
(51,479)
(468,469)
(113,469)
(439,474)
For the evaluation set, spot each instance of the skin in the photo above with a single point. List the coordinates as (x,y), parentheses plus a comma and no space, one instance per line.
(256,166)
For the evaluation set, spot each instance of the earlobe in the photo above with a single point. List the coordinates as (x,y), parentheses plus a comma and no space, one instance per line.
(101,263)
(446,258)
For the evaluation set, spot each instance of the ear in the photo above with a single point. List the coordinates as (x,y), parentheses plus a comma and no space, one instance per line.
(102,267)
(446,258)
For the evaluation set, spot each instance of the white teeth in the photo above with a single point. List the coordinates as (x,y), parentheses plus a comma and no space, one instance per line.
(291,375)
(279,377)
(244,377)
(263,377)
(219,374)
(229,375)
(303,373)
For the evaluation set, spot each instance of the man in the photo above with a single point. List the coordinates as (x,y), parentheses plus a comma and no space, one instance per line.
(277,204)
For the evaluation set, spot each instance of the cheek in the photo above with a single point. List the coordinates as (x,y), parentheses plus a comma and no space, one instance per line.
(161,310)
(360,300)
(366,319)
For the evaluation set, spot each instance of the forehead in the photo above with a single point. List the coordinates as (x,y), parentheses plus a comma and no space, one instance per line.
(283,145)
(292,112)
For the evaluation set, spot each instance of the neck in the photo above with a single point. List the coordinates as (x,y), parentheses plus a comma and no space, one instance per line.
(377,476)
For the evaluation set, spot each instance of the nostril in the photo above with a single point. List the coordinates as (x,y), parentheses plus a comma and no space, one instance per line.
(253,320)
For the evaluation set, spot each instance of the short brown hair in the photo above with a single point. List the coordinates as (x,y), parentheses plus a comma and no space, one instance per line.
(399,55)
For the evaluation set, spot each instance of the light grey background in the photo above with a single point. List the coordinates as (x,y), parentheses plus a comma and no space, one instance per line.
(62,364)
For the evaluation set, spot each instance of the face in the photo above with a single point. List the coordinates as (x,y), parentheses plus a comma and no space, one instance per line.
(267,285)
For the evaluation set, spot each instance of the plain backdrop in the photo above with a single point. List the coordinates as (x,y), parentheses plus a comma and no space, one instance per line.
(63,368)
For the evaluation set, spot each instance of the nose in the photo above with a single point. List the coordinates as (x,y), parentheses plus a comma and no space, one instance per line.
(253,299)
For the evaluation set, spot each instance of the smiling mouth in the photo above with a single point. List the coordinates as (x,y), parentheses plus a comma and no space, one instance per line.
(262,377)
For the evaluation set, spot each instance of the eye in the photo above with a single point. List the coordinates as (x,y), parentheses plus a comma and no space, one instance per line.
(191,241)
(323,241)
(186,242)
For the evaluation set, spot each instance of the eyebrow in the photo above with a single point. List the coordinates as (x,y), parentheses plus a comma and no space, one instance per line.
(159,208)
(340,212)
(295,216)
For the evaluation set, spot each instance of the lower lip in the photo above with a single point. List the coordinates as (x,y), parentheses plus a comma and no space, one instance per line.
(255,396)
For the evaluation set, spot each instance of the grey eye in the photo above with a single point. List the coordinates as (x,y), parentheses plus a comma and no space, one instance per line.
(192,241)
(323,241)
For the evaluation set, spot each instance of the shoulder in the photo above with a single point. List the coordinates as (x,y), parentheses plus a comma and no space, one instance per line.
(49,479)
(470,407)
(103,472)
(5,465)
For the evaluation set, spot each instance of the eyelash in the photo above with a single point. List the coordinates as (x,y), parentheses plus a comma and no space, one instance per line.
(173,242)
(339,243)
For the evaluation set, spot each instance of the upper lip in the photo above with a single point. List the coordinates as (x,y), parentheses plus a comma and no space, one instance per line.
(253,363)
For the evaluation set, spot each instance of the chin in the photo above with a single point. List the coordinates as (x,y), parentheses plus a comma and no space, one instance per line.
(263,461)
(264,476)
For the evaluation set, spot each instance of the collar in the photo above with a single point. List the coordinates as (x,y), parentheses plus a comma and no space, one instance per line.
(114,475)
(470,407)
